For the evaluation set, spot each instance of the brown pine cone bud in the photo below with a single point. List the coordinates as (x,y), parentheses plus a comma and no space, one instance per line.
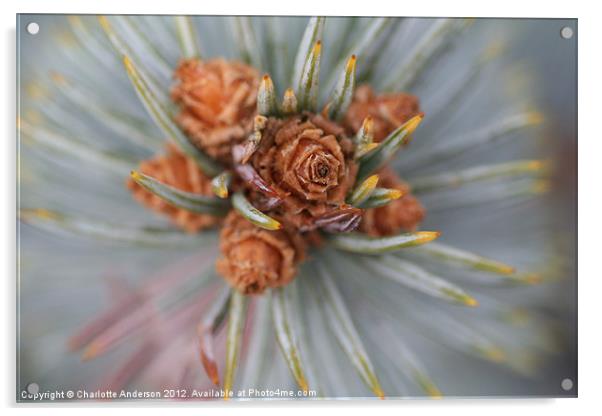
(217,100)
(255,259)
(388,111)
(308,161)
(181,172)
(403,214)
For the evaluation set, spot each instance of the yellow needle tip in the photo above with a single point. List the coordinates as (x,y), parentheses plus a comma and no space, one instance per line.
(371,181)
(413,123)
(135,175)
(470,301)
(90,352)
(427,236)
(379,393)
(222,193)
(395,194)
(317,47)
(535,117)
(351,63)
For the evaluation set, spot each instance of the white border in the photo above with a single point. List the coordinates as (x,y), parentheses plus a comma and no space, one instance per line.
(590,210)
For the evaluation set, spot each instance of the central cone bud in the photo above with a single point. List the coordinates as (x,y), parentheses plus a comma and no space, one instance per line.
(308,161)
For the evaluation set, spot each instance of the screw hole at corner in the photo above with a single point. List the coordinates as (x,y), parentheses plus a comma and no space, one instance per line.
(566,32)
(567,384)
(33,28)
(33,388)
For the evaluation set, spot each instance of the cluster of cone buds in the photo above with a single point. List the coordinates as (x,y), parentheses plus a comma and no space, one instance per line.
(290,173)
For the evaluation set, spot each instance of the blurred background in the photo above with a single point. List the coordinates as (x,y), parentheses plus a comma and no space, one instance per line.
(50,311)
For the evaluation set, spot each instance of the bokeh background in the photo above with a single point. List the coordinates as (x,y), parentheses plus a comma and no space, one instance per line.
(51,309)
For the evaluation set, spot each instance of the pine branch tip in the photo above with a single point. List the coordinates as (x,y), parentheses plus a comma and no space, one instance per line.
(351,63)
(427,236)
(395,194)
(135,175)
(535,117)
(58,78)
(413,123)
(92,351)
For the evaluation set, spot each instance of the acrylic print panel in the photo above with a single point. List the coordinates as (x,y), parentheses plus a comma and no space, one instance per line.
(295,207)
